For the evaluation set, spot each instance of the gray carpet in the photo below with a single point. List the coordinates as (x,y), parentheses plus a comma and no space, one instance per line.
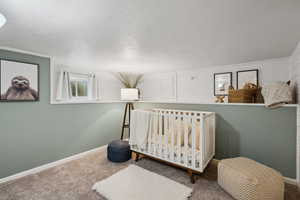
(74,180)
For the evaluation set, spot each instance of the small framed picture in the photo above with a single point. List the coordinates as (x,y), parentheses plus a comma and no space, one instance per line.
(19,81)
(222,81)
(246,76)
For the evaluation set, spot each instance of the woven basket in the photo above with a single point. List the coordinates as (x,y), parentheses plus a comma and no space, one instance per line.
(259,97)
(242,96)
(250,93)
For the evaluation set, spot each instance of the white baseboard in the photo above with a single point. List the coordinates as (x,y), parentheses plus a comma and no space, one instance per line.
(49,165)
(291,181)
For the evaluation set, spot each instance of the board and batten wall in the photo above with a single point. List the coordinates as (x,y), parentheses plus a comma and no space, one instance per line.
(198,85)
(36,133)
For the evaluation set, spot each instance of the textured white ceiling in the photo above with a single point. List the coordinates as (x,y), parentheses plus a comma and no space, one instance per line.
(152,35)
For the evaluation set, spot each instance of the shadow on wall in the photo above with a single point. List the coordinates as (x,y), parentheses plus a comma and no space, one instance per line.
(227,139)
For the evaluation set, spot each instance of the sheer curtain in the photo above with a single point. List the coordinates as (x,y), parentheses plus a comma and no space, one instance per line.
(93,87)
(63,87)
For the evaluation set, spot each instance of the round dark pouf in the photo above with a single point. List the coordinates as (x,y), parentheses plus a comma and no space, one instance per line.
(118,151)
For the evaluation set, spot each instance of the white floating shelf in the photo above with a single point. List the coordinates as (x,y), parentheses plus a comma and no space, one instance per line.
(165,102)
(219,104)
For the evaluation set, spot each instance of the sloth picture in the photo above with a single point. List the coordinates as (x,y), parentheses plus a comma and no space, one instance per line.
(20,90)
(19,81)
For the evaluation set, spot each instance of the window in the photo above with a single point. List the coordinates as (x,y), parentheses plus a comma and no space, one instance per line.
(79,86)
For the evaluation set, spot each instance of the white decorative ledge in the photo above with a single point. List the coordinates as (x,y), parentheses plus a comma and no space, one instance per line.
(164,102)
(85,102)
(207,103)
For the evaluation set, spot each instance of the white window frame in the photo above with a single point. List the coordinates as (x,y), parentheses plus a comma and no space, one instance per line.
(79,77)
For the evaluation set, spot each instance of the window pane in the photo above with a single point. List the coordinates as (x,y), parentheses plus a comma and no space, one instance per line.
(73,88)
(82,88)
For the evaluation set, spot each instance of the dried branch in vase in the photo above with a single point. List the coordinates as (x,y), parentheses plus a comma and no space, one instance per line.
(129,80)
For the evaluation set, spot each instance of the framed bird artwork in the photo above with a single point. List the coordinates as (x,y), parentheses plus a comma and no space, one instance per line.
(19,81)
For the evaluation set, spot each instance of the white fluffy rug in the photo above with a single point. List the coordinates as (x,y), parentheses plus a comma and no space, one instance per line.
(136,183)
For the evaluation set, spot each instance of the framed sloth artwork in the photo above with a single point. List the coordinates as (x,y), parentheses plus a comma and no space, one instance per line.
(19,81)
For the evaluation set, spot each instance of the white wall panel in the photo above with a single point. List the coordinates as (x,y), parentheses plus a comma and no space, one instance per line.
(194,86)
(110,87)
(160,86)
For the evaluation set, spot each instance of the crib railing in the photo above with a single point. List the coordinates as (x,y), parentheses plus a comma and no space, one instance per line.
(185,138)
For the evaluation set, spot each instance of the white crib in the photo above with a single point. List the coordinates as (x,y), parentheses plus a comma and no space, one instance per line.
(182,138)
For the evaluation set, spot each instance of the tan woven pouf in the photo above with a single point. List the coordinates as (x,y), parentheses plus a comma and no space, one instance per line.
(245,179)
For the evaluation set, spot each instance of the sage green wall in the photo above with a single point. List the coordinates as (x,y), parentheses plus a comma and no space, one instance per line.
(36,133)
(265,135)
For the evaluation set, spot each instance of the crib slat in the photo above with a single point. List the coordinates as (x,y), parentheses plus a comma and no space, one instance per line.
(172,132)
(152,133)
(160,136)
(179,132)
(186,140)
(149,142)
(193,142)
(170,136)
(166,133)
(155,133)
(213,118)
(202,140)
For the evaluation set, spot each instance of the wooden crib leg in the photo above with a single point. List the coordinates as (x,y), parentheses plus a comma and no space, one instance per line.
(192,176)
(137,155)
